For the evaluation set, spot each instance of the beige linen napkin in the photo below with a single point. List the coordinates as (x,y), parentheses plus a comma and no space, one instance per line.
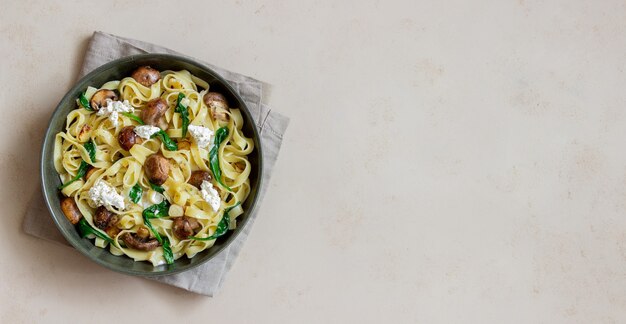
(209,277)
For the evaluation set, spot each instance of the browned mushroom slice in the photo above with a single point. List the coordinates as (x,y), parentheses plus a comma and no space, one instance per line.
(184,227)
(106,221)
(218,105)
(70,210)
(135,242)
(90,172)
(157,168)
(99,99)
(197,177)
(102,217)
(154,113)
(184,145)
(146,76)
(111,228)
(127,137)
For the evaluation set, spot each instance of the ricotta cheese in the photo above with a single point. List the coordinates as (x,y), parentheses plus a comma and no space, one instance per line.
(210,195)
(146,131)
(113,108)
(201,134)
(103,194)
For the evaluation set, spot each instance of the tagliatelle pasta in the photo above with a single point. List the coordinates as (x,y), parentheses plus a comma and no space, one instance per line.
(137,180)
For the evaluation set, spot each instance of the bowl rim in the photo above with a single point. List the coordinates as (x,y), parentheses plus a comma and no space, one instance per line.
(49,136)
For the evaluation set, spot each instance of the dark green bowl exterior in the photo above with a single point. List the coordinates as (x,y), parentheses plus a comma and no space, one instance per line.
(116,70)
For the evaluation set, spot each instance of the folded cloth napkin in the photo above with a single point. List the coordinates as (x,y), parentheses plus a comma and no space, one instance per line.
(209,277)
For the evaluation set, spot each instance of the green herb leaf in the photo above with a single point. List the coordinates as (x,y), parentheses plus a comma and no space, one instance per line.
(169,143)
(135,193)
(82,170)
(90,146)
(184,113)
(156,211)
(133,117)
(167,250)
(85,229)
(220,135)
(157,188)
(222,226)
(84,102)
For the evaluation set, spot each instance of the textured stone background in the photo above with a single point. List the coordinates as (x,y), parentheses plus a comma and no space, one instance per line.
(445,163)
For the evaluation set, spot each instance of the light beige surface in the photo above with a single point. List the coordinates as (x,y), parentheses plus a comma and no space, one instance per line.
(459,162)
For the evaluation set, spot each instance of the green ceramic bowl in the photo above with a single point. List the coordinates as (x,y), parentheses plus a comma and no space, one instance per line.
(116,70)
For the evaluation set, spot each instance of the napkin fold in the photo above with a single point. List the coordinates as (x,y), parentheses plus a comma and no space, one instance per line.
(208,278)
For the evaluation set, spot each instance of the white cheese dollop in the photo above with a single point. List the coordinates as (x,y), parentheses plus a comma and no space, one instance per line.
(113,108)
(210,195)
(185,102)
(146,131)
(103,194)
(201,134)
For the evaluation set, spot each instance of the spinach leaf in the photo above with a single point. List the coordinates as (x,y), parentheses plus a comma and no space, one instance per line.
(184,113)
(220,135)
(133,117)
(167,250)
(84,102)
(169,143)
(222,226)
(85,229)
(157,188)
(135,193)
(90,146)
(156,211)
(82,170)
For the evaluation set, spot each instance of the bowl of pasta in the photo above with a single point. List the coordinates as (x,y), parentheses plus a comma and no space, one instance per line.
(151,164)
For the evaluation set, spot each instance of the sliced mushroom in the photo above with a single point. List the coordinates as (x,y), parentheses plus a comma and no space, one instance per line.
(70,210)
(197,177)
(154,113)
(157,168)
(90,172)
(184,227)
(218,105)
(106,221)
(215,98)
(112,229)
(146,76)
(102,217)
(135,242)
(184,145)
(99,99)
(127,137)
